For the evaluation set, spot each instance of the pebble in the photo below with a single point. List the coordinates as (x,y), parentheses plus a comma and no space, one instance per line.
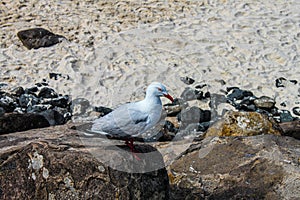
(79,106)
(187,80)
(296,111)
(285,116)
(102,110)
(46,92)
(264,102)
(279,82)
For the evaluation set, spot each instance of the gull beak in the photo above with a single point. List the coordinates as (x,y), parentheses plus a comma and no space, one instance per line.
(169,97)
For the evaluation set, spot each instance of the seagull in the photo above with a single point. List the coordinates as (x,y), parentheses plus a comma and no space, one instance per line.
(130,120)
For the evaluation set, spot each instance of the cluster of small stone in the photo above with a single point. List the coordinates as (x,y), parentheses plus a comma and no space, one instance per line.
(194,119)
(39,99)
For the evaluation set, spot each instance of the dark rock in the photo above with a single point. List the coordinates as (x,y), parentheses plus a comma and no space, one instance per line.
(38,108)
(56,76)
(31,90)
(279,82)
(103,110)
(61,101)
(79,106)
(38,37)
(238,94)
(169,126)
(193,115)
(296,111)
(8,103)
(200,86)
(2,111)
(291,128)
(46,92)
(264,102)
(187,80)
(285,116)
(41,84)
(27,100)
(18,91)
(237,168)
(55,163)
(13,122)
(283,104)
(53,117)
(188,94)
(294,81)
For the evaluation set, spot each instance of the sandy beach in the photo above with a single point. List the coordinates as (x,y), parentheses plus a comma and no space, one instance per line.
(116,48)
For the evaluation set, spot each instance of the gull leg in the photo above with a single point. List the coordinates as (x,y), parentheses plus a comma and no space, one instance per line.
(130,144)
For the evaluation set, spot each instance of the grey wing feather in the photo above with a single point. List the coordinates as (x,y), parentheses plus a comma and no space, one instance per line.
(124,121)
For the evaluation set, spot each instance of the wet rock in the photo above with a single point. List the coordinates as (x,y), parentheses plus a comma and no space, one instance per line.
(46,92)
(38,37)
(55,162)
(27,100)
(264,102)
(296,111)
(244,124)
(257,167)
(14,122)
(187,80)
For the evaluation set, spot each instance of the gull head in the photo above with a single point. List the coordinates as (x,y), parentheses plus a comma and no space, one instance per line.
(157,89)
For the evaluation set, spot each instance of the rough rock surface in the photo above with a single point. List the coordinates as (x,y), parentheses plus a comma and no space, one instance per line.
(244,124)
(53,163)
(255,167)
(14,122)
(38,37)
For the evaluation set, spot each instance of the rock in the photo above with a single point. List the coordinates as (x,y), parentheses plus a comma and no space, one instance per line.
(187,80)
(79,106)
(55,163)
(14,122)
(27,100)
(193,115)
(38,37)
(172,109)
(2,111)
(38,108)
(200,86)
(279,82)
(264,102)
(285,116)
(296,111)
(244,124)
(18,91)
(8,103)
(53,117)
(61,101)
(32,90)
(291,128)
(46,92)
(56,76)
(103,110)
(256,167)
(188,94)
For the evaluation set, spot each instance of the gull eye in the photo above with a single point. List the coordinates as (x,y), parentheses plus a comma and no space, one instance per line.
(159,89)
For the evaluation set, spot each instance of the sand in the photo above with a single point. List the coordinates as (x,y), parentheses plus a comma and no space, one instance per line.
(116,48)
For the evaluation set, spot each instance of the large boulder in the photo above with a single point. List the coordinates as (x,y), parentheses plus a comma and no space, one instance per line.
(254,167)
(57,163)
